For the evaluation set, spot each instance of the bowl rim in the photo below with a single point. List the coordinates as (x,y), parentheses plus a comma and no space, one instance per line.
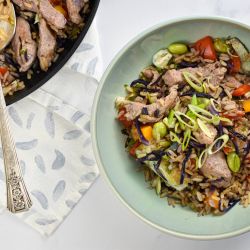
(94,136)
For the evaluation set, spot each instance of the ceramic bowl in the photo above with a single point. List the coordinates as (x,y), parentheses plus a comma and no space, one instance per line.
(115,164)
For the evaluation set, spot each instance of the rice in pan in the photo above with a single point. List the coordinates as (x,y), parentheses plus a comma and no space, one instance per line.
(42,29)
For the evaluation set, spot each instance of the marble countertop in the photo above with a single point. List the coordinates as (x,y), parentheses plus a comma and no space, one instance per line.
(100,221)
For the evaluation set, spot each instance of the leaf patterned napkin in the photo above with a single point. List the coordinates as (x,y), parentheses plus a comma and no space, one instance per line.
(51,128)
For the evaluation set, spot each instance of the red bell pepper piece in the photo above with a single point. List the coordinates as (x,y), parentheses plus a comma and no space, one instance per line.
(123,119)
(236,64)
(134,147)
(234,116)
(3,70)
(242,90)
(205,47)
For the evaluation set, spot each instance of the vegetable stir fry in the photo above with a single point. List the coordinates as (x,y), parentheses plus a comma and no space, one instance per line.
(186,119)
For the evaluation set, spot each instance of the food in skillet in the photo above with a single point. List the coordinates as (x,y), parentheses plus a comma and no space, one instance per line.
(42,29)
(187,123)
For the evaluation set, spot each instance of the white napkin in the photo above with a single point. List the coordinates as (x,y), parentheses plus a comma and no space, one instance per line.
(51,128)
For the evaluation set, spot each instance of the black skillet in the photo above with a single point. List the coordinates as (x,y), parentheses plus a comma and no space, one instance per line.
(70,46)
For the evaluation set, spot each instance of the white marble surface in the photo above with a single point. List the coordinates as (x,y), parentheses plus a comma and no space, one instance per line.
(100,221)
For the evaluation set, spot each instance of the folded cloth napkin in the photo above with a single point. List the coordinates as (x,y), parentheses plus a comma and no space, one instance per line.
(51,128)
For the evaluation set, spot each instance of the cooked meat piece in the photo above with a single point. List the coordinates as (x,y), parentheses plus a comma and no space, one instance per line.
(29,5)
(216,168)
(74,7)
(46,45)
(203,138)
(155,111)
(151,74)
(213,71)
(54,18)
(172,77)
(23,45)
(231,82)
(229,105)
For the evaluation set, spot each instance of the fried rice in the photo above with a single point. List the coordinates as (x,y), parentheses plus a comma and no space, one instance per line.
(186,122)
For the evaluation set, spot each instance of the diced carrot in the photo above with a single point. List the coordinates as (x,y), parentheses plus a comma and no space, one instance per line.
(61,10)
(227,150)
(246,105)
(242,90)
(55,2)
(213,201)
(236,64)
(147,132)
(134,147)
(205,47)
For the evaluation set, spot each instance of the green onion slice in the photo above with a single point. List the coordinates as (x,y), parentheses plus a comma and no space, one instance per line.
(174,137)
(201,113)
(179,116)
(204,128)
(195,84)
(170,120)
(186,139)
(202,158)
(224,138)
(194,100)
(215,105)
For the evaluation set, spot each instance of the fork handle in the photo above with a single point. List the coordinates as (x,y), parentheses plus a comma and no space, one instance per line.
(18,199)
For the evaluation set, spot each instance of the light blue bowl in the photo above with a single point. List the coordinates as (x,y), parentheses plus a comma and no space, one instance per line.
(115,164)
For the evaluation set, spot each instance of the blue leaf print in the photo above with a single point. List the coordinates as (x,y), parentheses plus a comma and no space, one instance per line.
(92,66)
(76,116)
(87,142)
(87,126)
(27,145)
(89,177)
(82,191)
(50,124)
(40,163)
(44,222)
(1,175)
(15,117)
(59,161)
(59,189)
(87,161)
(30,120)
(75,66)
(71,135)
(42,199)
(84,47)
(71,204)
(23,166)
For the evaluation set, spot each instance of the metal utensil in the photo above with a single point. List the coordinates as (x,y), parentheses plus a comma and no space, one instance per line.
(18,198)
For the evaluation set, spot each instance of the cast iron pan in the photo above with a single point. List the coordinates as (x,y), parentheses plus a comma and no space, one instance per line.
(70,47)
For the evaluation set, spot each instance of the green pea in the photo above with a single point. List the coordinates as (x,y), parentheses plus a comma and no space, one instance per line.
(233,162)
(159,130)
(220,46)
(178,48)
